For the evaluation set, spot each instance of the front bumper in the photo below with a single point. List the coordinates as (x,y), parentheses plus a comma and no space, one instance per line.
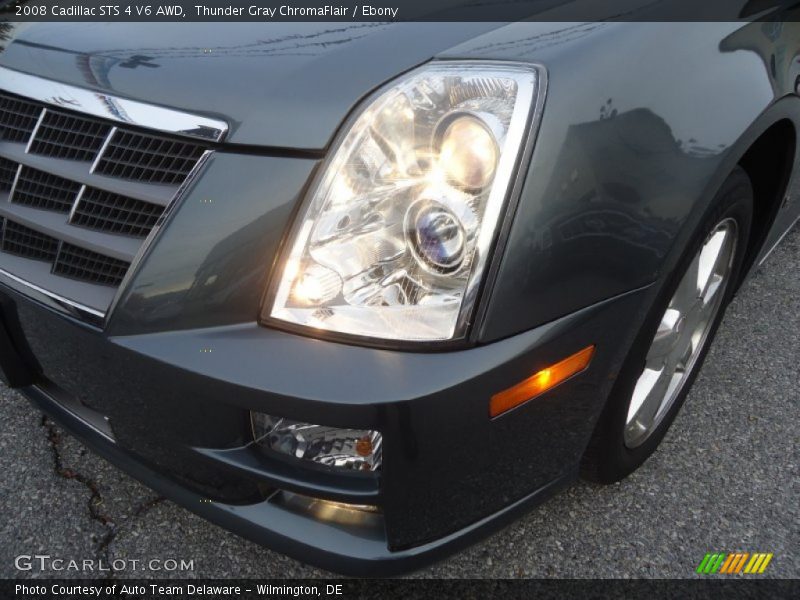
(177,405)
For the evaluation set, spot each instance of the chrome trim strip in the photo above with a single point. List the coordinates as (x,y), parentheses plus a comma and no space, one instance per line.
(60,299)
(14,183)
(148,241)
(55,260)
(106,106)
(35,130)
(102,150)
(75,203)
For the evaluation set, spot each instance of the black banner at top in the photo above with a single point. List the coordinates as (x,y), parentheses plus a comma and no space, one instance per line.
(398,10)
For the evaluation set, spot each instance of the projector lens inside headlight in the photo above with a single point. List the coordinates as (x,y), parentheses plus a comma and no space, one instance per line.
(353,449)
(468,153)
(437,237)
(395,237)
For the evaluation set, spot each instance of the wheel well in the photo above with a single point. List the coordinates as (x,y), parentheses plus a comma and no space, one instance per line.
(768,163)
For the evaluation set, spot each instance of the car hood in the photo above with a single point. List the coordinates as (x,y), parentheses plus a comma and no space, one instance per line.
(286,85)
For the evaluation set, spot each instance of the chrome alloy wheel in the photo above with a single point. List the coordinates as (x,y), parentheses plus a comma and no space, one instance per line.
(682,333)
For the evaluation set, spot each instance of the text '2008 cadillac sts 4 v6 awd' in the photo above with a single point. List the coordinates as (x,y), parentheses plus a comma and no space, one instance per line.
(364,305)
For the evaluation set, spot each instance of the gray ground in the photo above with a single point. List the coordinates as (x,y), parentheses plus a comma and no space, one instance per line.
(725,479)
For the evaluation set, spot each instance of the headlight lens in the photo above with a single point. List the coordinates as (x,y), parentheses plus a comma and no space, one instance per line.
(395,237)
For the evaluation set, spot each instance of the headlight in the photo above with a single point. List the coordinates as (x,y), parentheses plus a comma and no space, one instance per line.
(395,237)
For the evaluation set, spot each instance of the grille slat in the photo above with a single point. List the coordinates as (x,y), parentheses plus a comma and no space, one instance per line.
(99,188)
(62,135)
(18,118)
(80,173)
(45,191)
(86,265)
(114,213)
(150,158)
(27,242)
(8,171)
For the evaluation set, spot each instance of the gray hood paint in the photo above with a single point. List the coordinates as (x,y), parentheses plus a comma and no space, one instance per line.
(266,80)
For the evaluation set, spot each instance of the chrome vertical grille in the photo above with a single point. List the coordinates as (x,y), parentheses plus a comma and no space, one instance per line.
(79,263)
(64,135)
(148,158)
(80,190)
(43,190)
(23,241)
(17,118)
(8,171)
(106,211)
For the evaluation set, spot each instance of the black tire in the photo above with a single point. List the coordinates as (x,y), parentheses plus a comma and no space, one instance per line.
(607,459)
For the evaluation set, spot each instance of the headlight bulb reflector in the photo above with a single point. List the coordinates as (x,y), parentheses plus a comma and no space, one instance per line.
(468,153)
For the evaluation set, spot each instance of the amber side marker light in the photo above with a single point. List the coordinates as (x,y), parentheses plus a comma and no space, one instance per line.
(538,383)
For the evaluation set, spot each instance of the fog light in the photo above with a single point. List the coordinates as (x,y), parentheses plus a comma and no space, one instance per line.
(350,449)
(329,511)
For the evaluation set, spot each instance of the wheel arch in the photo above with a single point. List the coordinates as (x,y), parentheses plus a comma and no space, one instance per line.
(768,152)
(769,163)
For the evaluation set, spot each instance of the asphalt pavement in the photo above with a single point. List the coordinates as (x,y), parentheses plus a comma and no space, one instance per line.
(725,479)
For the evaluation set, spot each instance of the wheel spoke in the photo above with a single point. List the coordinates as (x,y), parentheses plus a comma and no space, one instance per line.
(644,386)
(647,397)
(666,336)
(703,317)
(711,289)
(709,255)
(685,357)
(681,334)
(688,290)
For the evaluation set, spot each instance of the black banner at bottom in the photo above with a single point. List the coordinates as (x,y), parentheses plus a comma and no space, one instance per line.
(346,589)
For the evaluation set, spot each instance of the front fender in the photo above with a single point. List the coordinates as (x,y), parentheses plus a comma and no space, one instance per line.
(633,144)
